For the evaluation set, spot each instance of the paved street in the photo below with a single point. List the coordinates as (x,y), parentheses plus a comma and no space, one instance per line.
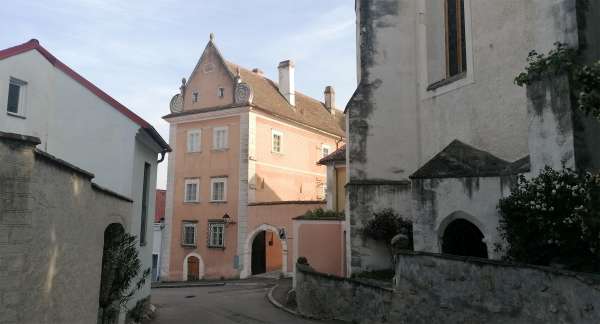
(238,302)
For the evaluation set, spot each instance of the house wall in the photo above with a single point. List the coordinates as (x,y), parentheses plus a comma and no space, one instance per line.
(292,174)
(322,243)
(388,142)
(204,165)
(51,238)
(340,185)
(273,250)
(207,77)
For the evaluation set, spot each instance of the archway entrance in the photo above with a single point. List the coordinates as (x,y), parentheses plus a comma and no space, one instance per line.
(108,311)
(266,253)
(193,269)
(462,237)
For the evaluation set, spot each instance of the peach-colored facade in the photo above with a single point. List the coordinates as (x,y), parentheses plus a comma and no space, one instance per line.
(266,187)
(322,243)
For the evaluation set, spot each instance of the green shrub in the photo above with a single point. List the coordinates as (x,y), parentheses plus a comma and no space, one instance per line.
(322,213)
(553,219)
(385,225)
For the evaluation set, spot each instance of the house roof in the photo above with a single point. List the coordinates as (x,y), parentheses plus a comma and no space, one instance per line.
(34,44)
(338,155)
(159,209)
(267,98)
(459,160)
(520,166)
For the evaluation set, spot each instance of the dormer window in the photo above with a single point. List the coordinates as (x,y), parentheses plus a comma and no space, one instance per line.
(221,92)
(195,96)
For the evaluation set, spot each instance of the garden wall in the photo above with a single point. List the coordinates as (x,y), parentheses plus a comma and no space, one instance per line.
(432,288)
(330,297)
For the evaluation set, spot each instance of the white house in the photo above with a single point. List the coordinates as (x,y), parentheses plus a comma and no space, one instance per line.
(79,123)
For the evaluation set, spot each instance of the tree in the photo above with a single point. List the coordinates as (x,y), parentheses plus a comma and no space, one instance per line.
(120,267)
(553,219)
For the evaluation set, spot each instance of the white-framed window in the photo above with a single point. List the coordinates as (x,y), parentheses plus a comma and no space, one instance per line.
(325,150)
(276,141)
(195,96)
(192,190)
(216,235)
(221,92)
(218,189)
(220,138)
(194,140)
(188,234)
(15,104)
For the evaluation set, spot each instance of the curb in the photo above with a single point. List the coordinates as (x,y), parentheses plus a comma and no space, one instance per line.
(207,284)
(277,304)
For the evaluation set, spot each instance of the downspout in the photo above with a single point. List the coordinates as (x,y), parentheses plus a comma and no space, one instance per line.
(163,153)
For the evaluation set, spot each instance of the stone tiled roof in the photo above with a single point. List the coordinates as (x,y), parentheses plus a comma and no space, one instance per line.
(459,160)
(338,155)
(307,111)
(520,166)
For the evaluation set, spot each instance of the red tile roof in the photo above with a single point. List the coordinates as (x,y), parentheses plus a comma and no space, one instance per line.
(159,209)
(34,44)
(338,155)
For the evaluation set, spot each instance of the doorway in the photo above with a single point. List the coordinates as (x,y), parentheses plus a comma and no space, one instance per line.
(259,255)
(462,237)
(193,268)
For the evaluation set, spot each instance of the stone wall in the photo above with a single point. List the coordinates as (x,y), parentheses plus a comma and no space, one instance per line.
(432,288)
(323,296)
(52,222)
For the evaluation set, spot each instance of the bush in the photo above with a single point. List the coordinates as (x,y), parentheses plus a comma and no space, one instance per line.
(322,213)
(385,225)
(553,219)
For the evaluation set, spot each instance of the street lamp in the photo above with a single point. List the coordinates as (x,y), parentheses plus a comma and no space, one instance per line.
(227,219)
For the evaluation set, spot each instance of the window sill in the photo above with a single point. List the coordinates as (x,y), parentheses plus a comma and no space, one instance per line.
(277,153)
(439,84)
(15,115)
(189,246)
(216,247)
(218,201)
(220,149)
(192,202)
(194,152)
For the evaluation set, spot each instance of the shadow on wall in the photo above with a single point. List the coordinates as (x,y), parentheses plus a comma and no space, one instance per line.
(294,190)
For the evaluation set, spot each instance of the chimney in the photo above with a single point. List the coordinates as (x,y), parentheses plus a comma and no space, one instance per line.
(286,81)
(258,71)
(330,99)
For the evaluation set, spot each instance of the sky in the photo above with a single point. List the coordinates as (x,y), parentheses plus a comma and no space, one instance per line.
(138,51)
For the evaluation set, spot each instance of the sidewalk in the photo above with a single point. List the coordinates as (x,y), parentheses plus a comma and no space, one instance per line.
(213,283)
(278,296)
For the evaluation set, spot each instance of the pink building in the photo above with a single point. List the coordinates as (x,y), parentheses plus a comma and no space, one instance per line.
(243,166)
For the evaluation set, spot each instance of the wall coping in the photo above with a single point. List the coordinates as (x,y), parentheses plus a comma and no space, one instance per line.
(304,217)
(591,278)
(308,270)
(378,182)
(62,163)
(288,202)
(111,193)
(21,138)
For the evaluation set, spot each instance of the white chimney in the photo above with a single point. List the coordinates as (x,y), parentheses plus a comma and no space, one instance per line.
(286,81)
(330,99)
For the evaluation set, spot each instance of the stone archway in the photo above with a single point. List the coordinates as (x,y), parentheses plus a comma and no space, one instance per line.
(192,261)
(247,256)
(462,237)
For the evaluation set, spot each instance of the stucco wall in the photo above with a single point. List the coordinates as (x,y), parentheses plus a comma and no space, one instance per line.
(434,289)
(323,243)
(51,238)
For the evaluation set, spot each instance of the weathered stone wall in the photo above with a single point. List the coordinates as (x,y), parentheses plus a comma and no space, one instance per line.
(329,297)
(442,289)
(363,199)
(52,222)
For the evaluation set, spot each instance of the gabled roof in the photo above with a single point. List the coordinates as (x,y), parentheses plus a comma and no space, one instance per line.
(459,160)
(267,98)
(338,155)
(34,44)
(520,166)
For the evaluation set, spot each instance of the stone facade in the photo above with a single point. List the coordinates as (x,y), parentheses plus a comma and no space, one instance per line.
(52,222)
(407,109)
(434,289)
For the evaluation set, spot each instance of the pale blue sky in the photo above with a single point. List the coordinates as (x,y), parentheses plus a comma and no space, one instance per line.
(138,51)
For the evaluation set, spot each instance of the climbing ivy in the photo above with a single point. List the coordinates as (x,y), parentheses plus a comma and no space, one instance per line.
(584,79)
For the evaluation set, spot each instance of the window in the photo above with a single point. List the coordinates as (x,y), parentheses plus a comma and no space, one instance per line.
(195,96)
(325,150)
(221,92)
(192,190)
(218,189)
(188,235)
(220,138)
(194,138)
(216,235)
(323,193)
(16,97)
(277,138)
(456,60)
(144,216)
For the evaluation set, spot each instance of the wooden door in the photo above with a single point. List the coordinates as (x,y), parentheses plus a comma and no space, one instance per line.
(193,268)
